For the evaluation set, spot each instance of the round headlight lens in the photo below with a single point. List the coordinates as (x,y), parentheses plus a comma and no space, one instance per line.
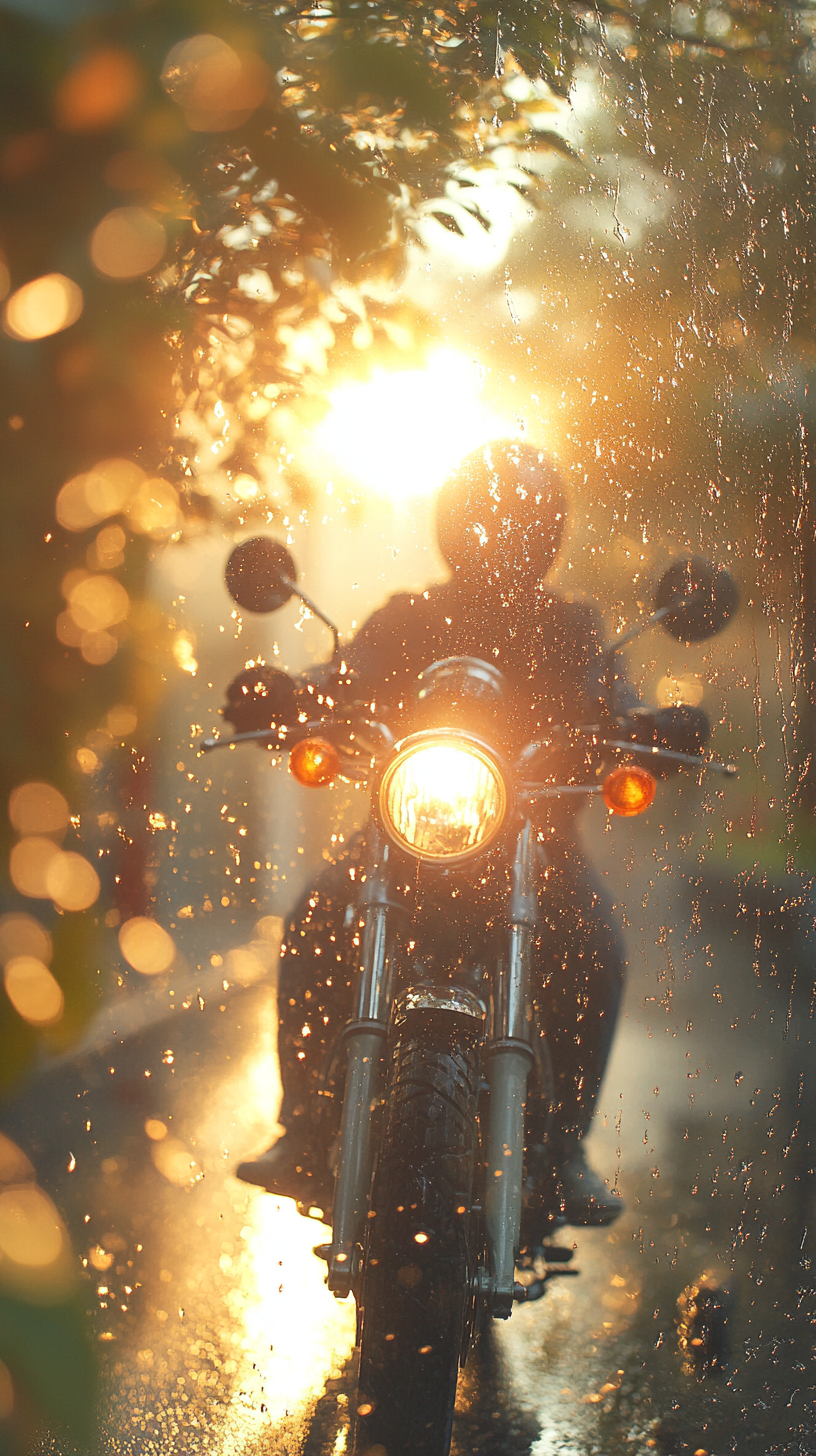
(443,797)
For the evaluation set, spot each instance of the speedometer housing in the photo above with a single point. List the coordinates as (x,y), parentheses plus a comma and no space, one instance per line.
(444,796)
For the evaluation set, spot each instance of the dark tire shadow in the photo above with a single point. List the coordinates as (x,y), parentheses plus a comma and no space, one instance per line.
(488,1419)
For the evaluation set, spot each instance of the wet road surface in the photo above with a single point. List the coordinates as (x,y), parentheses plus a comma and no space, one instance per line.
(216,1333)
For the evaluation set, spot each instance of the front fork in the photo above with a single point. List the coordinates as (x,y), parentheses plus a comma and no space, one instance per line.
(510,1056)
(364,1037)
(510,1059)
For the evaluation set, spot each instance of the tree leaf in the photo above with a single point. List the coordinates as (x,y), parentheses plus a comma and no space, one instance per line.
(550,141)
(448,221)
(476,212)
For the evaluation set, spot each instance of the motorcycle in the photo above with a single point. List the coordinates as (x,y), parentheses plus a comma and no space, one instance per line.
(432,1198)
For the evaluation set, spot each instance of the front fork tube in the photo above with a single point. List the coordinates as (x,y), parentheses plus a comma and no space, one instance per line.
(510,1059)
(364,1037)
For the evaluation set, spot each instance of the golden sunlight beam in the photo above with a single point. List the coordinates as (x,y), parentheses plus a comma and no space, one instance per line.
(400,434)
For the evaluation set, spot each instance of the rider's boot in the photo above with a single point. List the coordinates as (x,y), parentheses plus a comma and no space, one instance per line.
(561,1188)
(289,1169)
(586,1200)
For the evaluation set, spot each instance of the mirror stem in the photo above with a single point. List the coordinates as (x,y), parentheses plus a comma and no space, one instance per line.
(632,632)
(315,611)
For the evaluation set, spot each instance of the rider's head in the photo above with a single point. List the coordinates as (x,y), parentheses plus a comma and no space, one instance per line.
(500,516)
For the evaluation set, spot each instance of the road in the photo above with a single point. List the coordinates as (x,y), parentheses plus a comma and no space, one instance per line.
(216,1333)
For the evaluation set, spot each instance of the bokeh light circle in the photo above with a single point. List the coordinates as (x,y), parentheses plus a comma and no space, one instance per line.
(72,881)
(98,602)
(33,991)
(154,509)
(97,648)
(15,1167)
(217,87)
(98,91)
(73,509)
(146,946)
(22,934)
(42,307)
(128,242)
(38,808)
(107,551)
(31,1231)
(122,720)
(110,485)
(28,865)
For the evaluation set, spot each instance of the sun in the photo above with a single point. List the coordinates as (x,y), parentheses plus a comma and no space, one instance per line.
(399,434)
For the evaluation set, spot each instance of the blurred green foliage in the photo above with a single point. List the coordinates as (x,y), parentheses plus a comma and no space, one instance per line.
(48,1352)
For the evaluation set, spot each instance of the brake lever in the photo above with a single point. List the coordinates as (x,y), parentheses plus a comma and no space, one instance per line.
(558,791)
(691,760)
(285,737)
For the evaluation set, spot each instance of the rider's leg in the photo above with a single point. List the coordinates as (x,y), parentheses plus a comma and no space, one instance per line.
(580,976)
(580,972)
(314,1002)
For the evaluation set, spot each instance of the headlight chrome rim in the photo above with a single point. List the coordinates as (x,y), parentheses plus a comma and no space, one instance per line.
(448,738)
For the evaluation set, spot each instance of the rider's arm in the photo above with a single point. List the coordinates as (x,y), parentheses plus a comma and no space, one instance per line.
(376,665)
(382,658)
(683,729)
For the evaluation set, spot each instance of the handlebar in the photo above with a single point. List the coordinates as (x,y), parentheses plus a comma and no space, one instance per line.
(285,737)
(256,736)
(671,755)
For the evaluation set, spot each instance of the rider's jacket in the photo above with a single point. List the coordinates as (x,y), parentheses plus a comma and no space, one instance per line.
(548,649)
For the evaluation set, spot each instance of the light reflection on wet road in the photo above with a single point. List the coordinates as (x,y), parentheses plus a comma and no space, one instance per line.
(218,1335)
(236,1333)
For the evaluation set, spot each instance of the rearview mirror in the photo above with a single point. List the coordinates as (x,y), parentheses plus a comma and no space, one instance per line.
(261,575)
(695,599)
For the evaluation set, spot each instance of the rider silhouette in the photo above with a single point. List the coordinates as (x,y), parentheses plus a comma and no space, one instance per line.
(500,520)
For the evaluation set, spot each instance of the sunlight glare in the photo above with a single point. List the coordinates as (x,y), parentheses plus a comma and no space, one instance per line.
(400,434)
(296,1333)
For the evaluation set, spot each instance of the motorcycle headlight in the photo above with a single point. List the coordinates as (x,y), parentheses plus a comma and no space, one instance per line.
(443,797)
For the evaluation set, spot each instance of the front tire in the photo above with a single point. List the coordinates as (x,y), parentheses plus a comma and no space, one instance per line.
(416,1290)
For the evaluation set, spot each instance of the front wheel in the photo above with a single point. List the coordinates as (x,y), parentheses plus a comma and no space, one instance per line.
(416,1290)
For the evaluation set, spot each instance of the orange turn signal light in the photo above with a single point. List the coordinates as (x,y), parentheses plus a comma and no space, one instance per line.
(314,762)
(629,790)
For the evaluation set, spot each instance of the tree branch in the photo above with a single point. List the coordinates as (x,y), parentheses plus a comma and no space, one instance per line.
(621,12)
